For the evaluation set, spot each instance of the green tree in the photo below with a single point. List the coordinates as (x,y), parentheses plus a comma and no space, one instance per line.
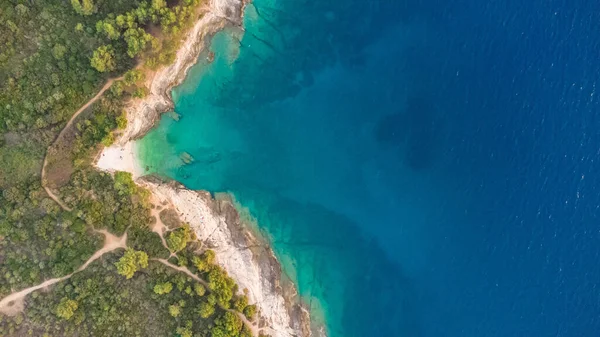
(199,289)
(124,183)
(229,323)
(141,14)
(163,288)
(175,310)
(205,309)
(103,59)
(250,311)
(108,140)
(131,262)
(240,303)
(66,308)
(58,51)
(157,5)
(178,238)
(137,39)
(204,261)
(140,92)
(108,29)
(122,121)
(167,19)
(121,21)
(132,76)
(184,332)
(117,88)
(221,284)
(21,9)
(85,7)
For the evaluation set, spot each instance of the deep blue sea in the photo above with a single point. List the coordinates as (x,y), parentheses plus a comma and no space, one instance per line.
(422,168)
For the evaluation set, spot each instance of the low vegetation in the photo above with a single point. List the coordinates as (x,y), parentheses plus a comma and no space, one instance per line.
(56,56)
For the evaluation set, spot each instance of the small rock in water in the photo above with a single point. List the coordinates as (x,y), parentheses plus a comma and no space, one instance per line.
(174,115)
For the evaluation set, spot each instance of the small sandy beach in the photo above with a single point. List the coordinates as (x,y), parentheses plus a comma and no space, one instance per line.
(120,158)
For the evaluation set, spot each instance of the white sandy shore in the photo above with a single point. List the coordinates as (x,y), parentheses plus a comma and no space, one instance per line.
(120,158)
(249,262)
(252,265)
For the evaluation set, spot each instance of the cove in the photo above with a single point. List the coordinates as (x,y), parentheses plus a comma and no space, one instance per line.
(413,174)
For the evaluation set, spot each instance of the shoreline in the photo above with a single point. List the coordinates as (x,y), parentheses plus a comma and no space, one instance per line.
(245,257)
(248,259)
(143,113)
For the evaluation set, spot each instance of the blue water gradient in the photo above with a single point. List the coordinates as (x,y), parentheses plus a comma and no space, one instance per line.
(422,168)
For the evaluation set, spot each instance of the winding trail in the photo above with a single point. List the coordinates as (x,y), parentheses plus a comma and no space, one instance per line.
(160,228)
(14,303)
(183,270)
(106,86)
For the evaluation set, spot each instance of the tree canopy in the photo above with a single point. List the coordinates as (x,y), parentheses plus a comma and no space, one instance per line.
(84,7)
(103,59)
(163,288)
(178,238)
(131,262)
(66,308)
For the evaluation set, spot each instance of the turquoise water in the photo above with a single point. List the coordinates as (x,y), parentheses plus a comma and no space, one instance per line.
(417,166)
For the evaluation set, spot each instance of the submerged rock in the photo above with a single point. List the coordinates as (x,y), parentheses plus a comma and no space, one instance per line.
(174,115)
(211,56)
(186,158)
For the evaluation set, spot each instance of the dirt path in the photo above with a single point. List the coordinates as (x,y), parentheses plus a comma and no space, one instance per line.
(111,242)
(255,330)
(52,195)
(14,303)
(183,270)
(160,229)
(62,132)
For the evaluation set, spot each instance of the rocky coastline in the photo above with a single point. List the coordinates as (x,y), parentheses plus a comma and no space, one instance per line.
(215,220)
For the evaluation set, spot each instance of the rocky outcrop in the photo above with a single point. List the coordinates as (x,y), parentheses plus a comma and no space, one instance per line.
(142,114)
(247,258)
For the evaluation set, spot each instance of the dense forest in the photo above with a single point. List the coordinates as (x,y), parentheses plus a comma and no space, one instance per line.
(54,57)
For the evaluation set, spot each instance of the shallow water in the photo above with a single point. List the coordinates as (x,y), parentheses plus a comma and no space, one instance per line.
(422,169)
